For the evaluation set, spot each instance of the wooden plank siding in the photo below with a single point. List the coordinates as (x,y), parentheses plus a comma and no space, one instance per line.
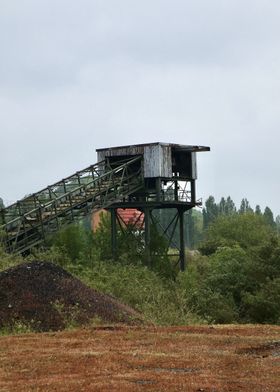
(160,159)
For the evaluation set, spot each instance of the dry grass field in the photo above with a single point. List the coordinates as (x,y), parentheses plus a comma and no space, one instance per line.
(118,358)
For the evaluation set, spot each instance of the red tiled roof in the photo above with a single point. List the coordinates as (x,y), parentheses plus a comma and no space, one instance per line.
(131,216)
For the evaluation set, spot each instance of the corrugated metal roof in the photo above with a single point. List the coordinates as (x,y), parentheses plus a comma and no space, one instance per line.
(182,147)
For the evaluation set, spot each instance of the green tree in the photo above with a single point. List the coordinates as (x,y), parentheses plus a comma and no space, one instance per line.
(196,234)
(245,207)
(230,207)
(262,306)
(71,240)
(239,280)
(258,210)
(246,230)
(226,206)
(277,223)
(268,216)
(210,211)
(222,206)
(1,214)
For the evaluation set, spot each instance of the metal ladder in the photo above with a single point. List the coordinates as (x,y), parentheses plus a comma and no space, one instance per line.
(29,221)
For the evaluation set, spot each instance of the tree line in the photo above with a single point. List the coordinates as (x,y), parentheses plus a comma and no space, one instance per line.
(233,277)
(196,222)
(226,206)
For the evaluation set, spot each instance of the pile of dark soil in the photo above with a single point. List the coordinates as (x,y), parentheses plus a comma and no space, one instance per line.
(45,297)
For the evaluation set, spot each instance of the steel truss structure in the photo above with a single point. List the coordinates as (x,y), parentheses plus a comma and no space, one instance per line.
(173,250)
(175,194)
(145,177)
(29,221)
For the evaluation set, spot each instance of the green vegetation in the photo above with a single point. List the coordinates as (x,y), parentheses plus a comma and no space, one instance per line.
(18,328)
(233,278)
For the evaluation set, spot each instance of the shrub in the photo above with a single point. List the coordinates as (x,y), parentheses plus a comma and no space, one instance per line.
(8,260)
(263,306)
(161,301)
(248,231)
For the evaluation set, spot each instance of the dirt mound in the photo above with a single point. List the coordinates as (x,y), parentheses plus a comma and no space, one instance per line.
(46,297)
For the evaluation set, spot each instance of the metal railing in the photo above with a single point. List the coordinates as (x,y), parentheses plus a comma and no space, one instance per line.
(27,222)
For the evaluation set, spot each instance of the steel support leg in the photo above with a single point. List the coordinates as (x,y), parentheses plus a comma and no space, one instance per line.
(147,220)
(114,233)
(193,193)
(158,189)
(182,240)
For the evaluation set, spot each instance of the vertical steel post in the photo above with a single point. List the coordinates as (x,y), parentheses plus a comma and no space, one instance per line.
(182,239)
(176,190)
(193,195)
(158,189)
(188,217)
(113,233)
(147,220)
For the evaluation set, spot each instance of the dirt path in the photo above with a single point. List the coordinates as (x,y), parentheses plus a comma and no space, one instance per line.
(220,358)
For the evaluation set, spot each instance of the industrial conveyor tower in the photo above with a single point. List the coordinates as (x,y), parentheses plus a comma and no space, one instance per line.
(143,176)
(169,173)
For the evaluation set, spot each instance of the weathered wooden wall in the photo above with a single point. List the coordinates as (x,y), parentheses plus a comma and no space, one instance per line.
(157,157)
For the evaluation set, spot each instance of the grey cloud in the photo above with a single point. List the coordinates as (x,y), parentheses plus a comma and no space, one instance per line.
(75,76)
(51,40)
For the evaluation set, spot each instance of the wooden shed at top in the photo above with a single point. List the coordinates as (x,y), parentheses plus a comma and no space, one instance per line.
(160,160)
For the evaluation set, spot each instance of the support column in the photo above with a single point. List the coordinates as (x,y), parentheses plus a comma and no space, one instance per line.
(176,191)
(193,195)
(188,218)
(113,233)
(182,240)
(147,220)
(158,189)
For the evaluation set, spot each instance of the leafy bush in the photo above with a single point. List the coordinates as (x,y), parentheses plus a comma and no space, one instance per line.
(71,241)
(248,231)
(264,305)
(228,285)
(161,301)
(17,328)
(8,260)
(239,281)
(236,279)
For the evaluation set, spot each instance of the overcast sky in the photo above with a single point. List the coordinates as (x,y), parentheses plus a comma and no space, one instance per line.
(81,75)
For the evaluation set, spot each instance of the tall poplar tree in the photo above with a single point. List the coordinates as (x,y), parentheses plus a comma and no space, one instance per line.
(210,211)
(245,207)
(268,216)
(258,210)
